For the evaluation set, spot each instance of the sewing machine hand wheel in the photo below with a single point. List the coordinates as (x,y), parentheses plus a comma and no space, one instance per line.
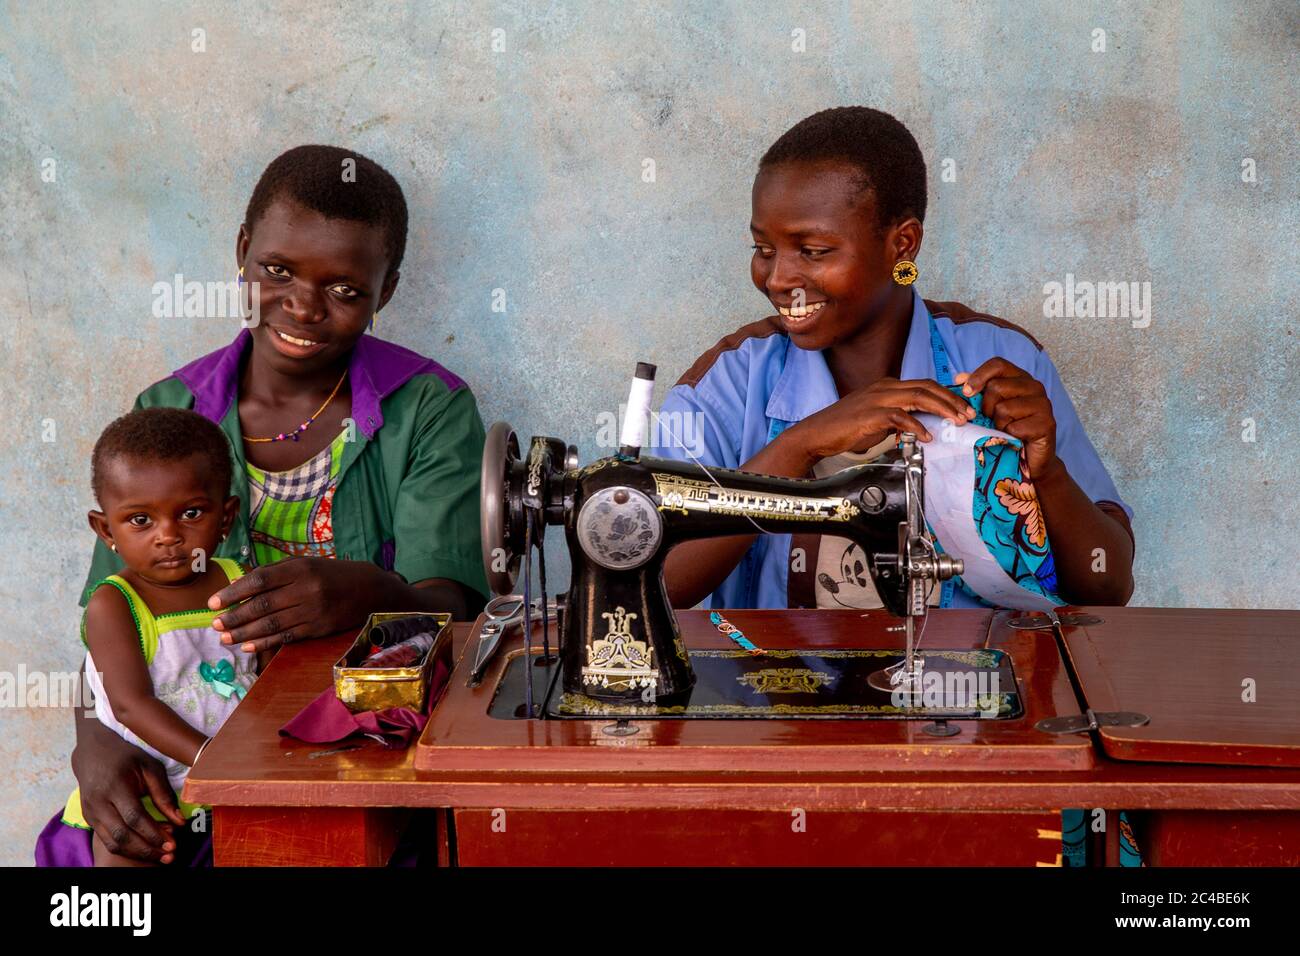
(501,553)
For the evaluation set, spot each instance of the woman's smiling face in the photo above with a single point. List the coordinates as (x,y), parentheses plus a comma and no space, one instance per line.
(320,281)
(815,229)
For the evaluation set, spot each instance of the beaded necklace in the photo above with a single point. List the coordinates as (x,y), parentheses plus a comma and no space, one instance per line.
(307,424)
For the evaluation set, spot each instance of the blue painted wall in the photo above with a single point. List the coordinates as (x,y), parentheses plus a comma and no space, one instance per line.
(523,169)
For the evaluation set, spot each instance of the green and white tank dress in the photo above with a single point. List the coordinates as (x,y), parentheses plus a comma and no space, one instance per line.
(193,673)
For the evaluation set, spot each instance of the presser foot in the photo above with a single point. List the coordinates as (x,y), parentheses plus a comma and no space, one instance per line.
(894,679)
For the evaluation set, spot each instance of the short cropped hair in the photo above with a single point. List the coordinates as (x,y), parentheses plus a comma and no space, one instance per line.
(162,435)
(314,176)
(881,147)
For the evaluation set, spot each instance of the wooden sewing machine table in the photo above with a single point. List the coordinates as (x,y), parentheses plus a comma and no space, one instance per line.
(1213,778)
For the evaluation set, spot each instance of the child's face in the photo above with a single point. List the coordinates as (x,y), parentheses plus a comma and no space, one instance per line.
(158,514)
(320,281)
(815,229)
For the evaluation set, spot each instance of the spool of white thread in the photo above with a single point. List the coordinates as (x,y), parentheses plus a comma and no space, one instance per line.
(637,412)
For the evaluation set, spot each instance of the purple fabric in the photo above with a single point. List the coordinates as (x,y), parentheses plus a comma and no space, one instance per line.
(377,369)
(214,378)
(327,720)
(62,845)
(380,368)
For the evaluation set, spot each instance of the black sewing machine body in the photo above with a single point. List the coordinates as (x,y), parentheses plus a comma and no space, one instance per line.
(620,636)
(622,516)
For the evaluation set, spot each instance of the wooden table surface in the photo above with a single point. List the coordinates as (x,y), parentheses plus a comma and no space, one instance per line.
(249,765)
(1219,686)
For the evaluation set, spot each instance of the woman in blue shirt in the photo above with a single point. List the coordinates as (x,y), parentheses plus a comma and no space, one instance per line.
(852,353)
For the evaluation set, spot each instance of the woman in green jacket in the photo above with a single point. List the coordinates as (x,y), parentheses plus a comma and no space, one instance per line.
(356,460)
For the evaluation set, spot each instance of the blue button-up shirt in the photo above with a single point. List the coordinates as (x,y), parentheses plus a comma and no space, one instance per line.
(755,383)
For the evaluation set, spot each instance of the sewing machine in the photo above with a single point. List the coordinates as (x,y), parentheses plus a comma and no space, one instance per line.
(652,737)
(622,514)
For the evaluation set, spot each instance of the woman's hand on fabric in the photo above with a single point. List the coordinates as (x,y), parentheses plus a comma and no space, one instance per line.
(864,418)
(1019,406)
(299,599)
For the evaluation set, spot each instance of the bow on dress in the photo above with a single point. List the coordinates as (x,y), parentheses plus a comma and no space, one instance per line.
(222,678)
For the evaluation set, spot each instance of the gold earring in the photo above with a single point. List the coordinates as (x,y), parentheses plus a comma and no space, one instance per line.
(373,319)
(905,272)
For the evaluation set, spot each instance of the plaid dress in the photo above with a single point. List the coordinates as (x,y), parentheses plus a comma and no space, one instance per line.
(290,511)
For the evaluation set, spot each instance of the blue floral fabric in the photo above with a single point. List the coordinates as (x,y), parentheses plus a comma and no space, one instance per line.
(1006,512)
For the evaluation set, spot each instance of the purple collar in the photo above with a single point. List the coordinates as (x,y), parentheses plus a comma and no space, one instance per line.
(377,369)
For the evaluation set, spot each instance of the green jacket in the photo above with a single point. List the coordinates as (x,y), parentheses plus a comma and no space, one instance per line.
(408,490)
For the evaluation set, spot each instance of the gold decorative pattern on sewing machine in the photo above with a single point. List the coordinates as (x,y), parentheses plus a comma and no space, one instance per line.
(688,494)
(578,705)
(618,661)
(675,493)
(536,456)
(821,683)
(597,465)
(786,680)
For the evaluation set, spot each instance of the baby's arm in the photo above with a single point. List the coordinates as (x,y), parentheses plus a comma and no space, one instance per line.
(115,645)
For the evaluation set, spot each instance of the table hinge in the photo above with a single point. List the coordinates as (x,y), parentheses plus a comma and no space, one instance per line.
(1091,720)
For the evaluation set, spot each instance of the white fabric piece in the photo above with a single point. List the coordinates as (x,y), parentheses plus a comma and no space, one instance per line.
(949,491)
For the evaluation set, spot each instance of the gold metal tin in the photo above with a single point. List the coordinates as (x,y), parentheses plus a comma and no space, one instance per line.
(378,688)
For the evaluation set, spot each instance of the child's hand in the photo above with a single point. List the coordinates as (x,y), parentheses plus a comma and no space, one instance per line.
(1019,406)
(864,418)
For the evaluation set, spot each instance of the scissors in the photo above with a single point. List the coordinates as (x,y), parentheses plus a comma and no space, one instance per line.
(502,613)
